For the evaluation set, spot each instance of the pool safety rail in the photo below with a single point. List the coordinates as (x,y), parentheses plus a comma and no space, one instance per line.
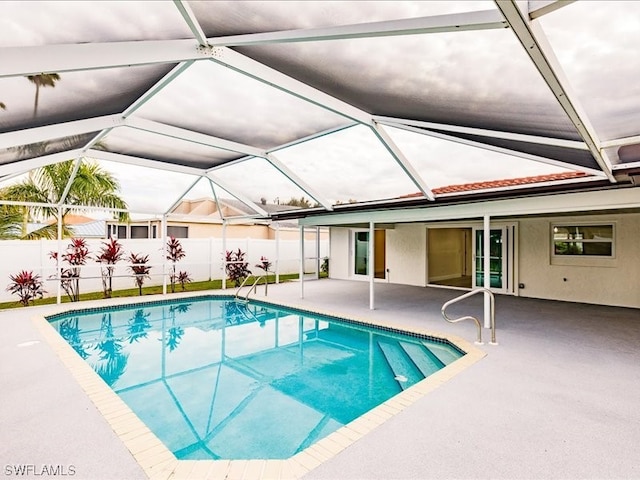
(252,288)
(492,313)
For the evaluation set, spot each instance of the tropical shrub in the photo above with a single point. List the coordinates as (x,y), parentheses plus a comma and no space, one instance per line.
(75,256)
(236,266)
(110,254)
(183,278)
(139,269)
(175,253)
(324,267)
(264,264)
(27,285)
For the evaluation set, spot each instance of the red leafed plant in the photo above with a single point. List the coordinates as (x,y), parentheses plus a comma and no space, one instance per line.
(110,254)
(75,256)
(139,269)
(264,264)
(236,266)
(175,253)
(27,286)
(183,278)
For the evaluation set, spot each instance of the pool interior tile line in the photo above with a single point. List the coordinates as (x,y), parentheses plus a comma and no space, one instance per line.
(159,463)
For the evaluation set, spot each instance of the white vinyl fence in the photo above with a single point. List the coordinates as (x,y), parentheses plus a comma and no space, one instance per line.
(203,261)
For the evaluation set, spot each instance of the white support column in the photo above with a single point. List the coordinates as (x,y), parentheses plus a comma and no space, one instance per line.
(224,254)
(163,236)
(486,247)
(317,253)
(371,267)
(301,271)
(277,252)
(59,260)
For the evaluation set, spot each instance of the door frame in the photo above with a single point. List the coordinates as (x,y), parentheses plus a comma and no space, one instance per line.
(509,253)
(370,265)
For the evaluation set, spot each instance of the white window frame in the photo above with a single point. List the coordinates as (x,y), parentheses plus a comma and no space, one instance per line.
(554,225)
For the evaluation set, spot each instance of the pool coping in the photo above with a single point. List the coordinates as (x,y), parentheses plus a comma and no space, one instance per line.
(158,462)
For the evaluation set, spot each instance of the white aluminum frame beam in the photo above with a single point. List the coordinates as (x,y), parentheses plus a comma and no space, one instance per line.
(33,60)
(191,20)
(620,142)
(177,202)
(58,130)
(493,148)
(157,88)
(191,136)
(534,43)
(141,162)
(546,7)
(24,166)
(455,22)
(294,178)
(244,199)
(74,172)
(519,137)
(399,157)
(269,76)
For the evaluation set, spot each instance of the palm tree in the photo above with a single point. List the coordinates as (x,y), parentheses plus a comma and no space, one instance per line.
(42,80)
(91,187)
(10,219)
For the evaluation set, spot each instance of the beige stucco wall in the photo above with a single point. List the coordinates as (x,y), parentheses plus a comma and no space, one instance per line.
(406,254)
(339,248)
(600,281)
(590,280)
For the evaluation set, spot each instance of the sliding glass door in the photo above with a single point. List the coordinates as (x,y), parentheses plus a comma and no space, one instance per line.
(498,258)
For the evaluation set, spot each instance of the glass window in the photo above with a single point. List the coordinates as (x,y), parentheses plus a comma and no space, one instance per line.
(361,253)
(583,240)
(139,231)
(177,232)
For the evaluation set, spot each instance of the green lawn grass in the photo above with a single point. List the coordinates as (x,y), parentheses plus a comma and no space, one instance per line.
(151,290)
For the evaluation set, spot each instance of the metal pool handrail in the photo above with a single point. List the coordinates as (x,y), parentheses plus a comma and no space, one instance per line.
(253,287)
(492,313)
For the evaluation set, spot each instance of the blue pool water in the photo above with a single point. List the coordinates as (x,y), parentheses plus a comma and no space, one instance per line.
(214,378)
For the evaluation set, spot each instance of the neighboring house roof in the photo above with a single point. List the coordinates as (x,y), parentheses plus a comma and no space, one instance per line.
(80,225)
(93,229)
(230,207)
(504,183)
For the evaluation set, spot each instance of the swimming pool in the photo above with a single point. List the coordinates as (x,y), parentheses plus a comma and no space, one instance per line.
(213,378)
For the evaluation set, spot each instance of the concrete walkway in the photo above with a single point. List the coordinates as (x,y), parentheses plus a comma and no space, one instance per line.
(558,398)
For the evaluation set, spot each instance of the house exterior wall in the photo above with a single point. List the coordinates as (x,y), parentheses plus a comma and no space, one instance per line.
(340,252)
(405,248)
(590,280)
(407,254)
(606,281)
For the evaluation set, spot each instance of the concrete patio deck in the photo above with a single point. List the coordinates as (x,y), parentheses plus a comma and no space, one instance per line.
(558,398)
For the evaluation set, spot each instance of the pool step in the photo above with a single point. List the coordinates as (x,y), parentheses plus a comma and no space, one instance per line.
(404,369)
(426,361)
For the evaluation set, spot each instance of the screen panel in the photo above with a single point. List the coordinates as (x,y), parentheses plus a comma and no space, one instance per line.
(479,79)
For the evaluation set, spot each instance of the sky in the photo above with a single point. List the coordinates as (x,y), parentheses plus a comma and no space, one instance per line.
(350,164)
